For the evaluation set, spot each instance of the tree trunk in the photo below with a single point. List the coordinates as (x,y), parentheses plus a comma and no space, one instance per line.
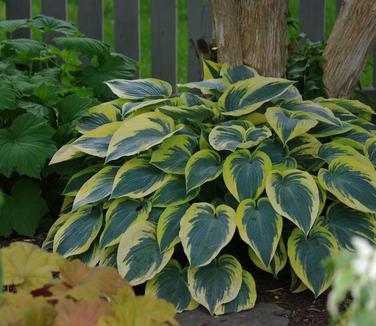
(253,32)
(349,45)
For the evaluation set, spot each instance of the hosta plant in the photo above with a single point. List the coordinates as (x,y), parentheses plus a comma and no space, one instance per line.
(47,290)
(177,177)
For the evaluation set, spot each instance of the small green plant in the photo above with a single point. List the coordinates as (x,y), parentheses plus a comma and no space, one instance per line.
(178,176)
(44,89)
(352,300)
(47,290)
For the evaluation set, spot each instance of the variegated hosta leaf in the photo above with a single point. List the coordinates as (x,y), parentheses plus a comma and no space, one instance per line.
(231,75)
(140,133)
(66,153)
(202,167)
(78,179)
(370,150)
(294,195)
(288,125)
(211,69)
(155,215)
(358,134)
(333,150)
(49,241)
(352,182)
(78,231)
(137,178)
(275,150)
(108,257)
(308,256)
(313,110)
(95,142)
(206,87)
(169,226)
(354,106)
(217,283)
(98,187)
(92,256)
(139,258)
(171,285)
(100,115)
(120,215)
(260,227)
(245,173)
(247,96)
(296,285)
(173,193)
(245,299)
(143,106)
(277,263)
(231,137)
(346,223)
(200,246)
(339,111)
(174,153)
(322,129)
(195,113)
(140,88)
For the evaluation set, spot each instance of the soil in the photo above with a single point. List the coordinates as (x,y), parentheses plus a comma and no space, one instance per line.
(302,308)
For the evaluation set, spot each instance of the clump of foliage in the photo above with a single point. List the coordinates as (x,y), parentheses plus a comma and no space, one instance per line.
(355,275)
(177,177)
(44,89)
(48,290)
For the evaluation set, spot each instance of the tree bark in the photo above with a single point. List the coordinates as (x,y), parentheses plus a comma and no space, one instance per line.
(349,46)
(252,32)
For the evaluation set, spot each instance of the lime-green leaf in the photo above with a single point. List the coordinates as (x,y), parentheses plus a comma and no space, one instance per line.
(352,182)
(260,226)
(217,283)
(245,173)
(202,167)
(139,258)
(308,256)
(294,195)
(194,226)
(120,215)
(137,178)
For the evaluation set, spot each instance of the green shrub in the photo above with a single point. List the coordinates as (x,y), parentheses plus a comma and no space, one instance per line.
(236,151)
(44,89)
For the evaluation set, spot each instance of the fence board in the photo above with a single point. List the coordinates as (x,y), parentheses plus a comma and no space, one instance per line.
(163,39)
(55,8)
(19,9)
(199,27)
(127,27)
(312,18)
(90,18)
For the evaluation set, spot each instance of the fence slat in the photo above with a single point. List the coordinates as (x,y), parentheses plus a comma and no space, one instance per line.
(312,18)
(55,8)
(199,27)
(127,27)
(90,18)
(163,36)
(19,9)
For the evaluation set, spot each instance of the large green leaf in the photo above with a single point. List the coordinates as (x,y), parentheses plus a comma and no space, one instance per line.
(171,285)
(120,215)
(83,45)
(245,173)
(308,256)
(98,187)
(202,167)
(352,182)
(78,231)
(8,95)
(140,88)
(294,195)
(346,223)
(169,226)
(25,146)
(174,153)
(140,133)
(288,125)
(217,283)
(139,258)
(194,227)
(260,226)
(137,178)
(247,96)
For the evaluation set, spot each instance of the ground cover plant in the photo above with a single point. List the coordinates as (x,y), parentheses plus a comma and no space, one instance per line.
(44,289)
(45,87)
(178,177)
